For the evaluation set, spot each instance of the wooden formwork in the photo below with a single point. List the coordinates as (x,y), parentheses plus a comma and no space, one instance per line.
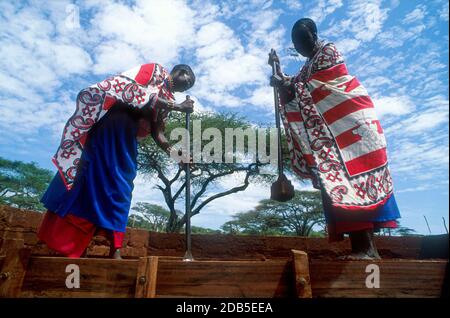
(152,276)
(22,275)
(397,278)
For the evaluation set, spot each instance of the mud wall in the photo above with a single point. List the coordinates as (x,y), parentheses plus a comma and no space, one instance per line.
(17,223)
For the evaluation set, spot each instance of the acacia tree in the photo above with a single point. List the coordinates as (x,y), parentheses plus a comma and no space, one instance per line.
(399,231)
(297,216)
(22,184)
(153,162)
(152,217)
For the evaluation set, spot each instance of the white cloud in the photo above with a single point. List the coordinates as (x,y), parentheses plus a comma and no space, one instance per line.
(373,83)
(431,115)
(424,187)
(394,4)
(416,15)
(322,8)
(145,191)
(137,31)
(415,189)
(397,36)
(114,57)
(293,4)
(227,62)
(262,97)
(410,157)
(393,106)
(70,59)
(424,121)
(443,13)
(367,19)
(347,45)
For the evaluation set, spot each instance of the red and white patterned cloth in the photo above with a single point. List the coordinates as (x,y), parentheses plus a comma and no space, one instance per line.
(334,135)
(137,87)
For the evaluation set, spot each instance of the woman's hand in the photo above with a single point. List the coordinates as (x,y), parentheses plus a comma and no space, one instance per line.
(186,106)
(273,57)
(276,81)
(182,164)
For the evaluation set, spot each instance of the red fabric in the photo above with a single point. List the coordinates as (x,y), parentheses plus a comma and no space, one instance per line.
(331,73)
(320,93)
(65,237)
(351,85)
(367,162)
(337,230)
(71,235)
(145,74)
(114,236)
(348,137)
(339,209)
(346,108)
(291,116)
(109,102)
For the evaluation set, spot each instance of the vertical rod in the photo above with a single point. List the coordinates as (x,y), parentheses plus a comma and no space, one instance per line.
(429,230)
(277,119)
(188,253)
(445,225)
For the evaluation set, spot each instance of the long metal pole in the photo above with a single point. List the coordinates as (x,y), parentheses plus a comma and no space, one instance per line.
(277,120)
(188,253)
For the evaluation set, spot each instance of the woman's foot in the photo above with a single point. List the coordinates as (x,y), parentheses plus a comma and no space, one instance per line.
(363,246)
(115,254)
(359,257)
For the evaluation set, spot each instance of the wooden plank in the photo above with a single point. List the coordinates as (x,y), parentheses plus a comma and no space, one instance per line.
(14,267)
(270,278)
(302,278)
(398,278)
(146,277)
(46,277)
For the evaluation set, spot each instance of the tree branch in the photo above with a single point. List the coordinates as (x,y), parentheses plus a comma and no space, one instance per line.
(219,195)
(177,175)
(216,176)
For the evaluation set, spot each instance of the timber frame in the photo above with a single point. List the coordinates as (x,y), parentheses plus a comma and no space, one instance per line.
(25,275)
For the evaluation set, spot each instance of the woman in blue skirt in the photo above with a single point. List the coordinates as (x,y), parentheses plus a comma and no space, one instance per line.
(97,158)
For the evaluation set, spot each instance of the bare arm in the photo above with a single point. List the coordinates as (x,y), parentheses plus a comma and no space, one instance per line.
(162,103)
(158,127)
(283,82)
(160,138)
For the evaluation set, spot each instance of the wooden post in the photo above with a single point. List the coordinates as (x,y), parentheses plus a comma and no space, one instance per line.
(302,278)
(146,277)
(14,267)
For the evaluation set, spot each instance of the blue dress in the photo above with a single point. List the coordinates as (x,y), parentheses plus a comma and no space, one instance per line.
(103,187)
(387,212)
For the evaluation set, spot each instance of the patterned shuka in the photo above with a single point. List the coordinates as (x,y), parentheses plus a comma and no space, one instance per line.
(334,135)
(137,87)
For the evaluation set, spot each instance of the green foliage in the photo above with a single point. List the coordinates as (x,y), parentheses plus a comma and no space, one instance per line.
(149,216)
(399,231)
(295,217)
(22,184)
(153,217)
(203,230)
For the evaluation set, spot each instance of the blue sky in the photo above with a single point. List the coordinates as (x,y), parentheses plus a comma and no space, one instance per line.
(397,48)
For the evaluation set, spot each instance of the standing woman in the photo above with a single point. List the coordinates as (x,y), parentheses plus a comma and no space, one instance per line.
(336,140)
(97,156)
